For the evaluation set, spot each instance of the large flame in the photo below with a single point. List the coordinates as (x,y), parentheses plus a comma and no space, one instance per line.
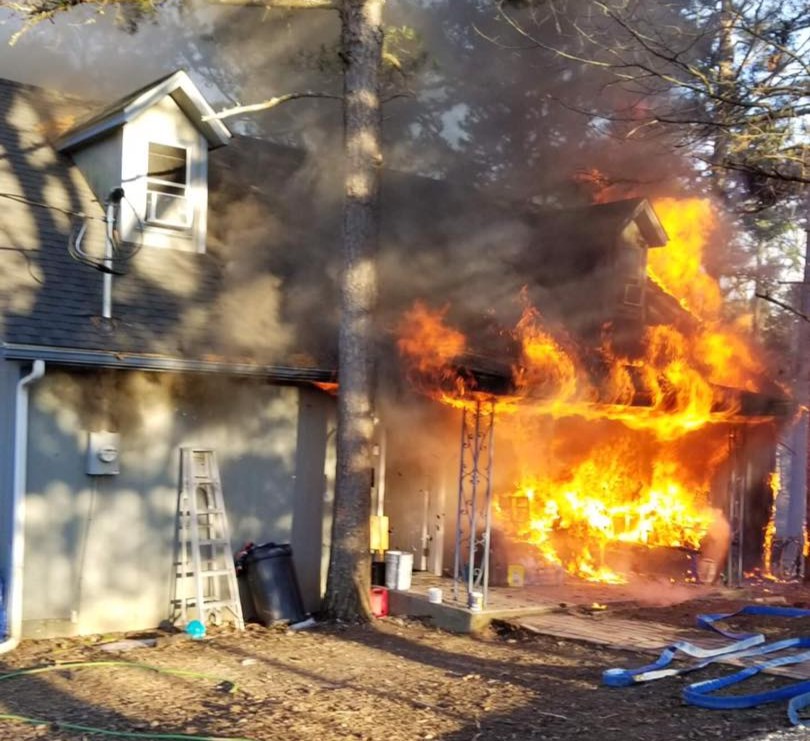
(620,456)
(678,269)
(580,516)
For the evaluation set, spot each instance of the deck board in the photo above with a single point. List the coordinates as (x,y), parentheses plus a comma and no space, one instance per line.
(637,635)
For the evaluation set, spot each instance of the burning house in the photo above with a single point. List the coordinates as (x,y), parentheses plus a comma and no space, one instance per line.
(635,428)
(627,419)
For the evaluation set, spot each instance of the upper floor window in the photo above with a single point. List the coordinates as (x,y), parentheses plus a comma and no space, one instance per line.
(167,201)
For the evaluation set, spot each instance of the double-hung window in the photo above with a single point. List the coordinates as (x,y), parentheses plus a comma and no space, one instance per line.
(167,202)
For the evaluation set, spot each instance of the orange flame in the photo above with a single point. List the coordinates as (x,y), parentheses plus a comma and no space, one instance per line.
(611,498)
(432,348)
(424,337)
(546,368)
(678,268)
(770,529)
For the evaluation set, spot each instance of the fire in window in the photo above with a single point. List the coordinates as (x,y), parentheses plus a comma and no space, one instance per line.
(167,185)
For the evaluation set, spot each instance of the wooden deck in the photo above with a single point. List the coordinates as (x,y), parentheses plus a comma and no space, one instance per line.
(561,611)
(638,636)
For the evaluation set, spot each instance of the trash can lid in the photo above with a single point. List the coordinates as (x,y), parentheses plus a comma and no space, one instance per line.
(268,550)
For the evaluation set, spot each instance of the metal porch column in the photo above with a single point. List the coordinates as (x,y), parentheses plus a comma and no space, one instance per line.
(474,511)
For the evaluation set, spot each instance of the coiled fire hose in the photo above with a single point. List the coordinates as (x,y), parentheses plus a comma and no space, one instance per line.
(743,645)
(62,725)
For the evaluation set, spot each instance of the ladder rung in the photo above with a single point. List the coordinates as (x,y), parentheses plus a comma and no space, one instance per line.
(201,512)
(190,574)
(212,604)
(207,572)
(217,572)
(215,541)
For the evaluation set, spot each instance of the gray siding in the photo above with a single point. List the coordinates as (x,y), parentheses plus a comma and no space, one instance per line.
(99,550)
(313,486)
(100,163)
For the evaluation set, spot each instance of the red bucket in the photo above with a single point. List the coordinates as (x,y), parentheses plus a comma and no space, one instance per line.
(379,601)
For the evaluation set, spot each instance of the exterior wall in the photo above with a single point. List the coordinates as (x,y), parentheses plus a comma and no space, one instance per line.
(100,163)
(314,486)
(421,483)
(626,309)
(99,550)
(165,123)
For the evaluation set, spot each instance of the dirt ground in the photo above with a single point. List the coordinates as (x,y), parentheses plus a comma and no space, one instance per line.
(394,680)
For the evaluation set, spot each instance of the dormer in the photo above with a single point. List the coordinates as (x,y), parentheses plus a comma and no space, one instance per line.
(154,144)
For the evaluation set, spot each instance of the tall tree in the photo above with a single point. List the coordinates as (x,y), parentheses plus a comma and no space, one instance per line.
(730,79)
(361,53)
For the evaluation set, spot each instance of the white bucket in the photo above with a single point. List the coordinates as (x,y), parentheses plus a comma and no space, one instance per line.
(706,570)
(398,568)
(434,595)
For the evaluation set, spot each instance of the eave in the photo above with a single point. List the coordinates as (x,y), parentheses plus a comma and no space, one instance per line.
(178,86)
(145,362)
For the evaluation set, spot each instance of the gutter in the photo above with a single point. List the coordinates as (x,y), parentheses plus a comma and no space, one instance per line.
(132,361)
(14,585)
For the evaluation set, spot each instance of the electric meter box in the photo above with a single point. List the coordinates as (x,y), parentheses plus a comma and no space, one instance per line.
(103,452)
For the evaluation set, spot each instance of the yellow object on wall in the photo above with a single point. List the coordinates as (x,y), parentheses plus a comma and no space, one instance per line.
(515,575)
(379,533)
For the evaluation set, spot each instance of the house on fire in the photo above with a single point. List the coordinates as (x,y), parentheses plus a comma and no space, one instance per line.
(210,323)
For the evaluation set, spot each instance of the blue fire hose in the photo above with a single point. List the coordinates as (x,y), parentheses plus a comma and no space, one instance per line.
(743,645)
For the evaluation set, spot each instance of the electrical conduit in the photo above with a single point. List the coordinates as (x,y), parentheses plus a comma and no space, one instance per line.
(14,580)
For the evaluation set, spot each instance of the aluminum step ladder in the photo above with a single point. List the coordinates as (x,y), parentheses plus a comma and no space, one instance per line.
(205,555)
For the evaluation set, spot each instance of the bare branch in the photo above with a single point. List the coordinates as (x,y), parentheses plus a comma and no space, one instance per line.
(781,305)
(281,4)
(396,96)
(267,104)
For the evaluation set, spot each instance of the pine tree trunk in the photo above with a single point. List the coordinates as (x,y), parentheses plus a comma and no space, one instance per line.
(349,579)
(723,110)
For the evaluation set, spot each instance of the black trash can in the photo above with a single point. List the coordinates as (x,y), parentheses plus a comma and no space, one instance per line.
(273,584)
(378,573)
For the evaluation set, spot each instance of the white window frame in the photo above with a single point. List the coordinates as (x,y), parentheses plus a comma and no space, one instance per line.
(152,195)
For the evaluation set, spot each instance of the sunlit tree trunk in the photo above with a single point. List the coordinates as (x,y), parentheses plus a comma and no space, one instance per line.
(725,87)
(349,579)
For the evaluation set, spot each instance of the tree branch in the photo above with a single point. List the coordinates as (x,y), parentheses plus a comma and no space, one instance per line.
(281,4)
(396,96)
(781,305)
(267,104)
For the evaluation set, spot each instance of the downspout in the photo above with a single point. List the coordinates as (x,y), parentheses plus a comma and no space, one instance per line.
(14,585)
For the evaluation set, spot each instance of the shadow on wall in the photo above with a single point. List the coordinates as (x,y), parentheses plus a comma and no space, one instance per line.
(99,549)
